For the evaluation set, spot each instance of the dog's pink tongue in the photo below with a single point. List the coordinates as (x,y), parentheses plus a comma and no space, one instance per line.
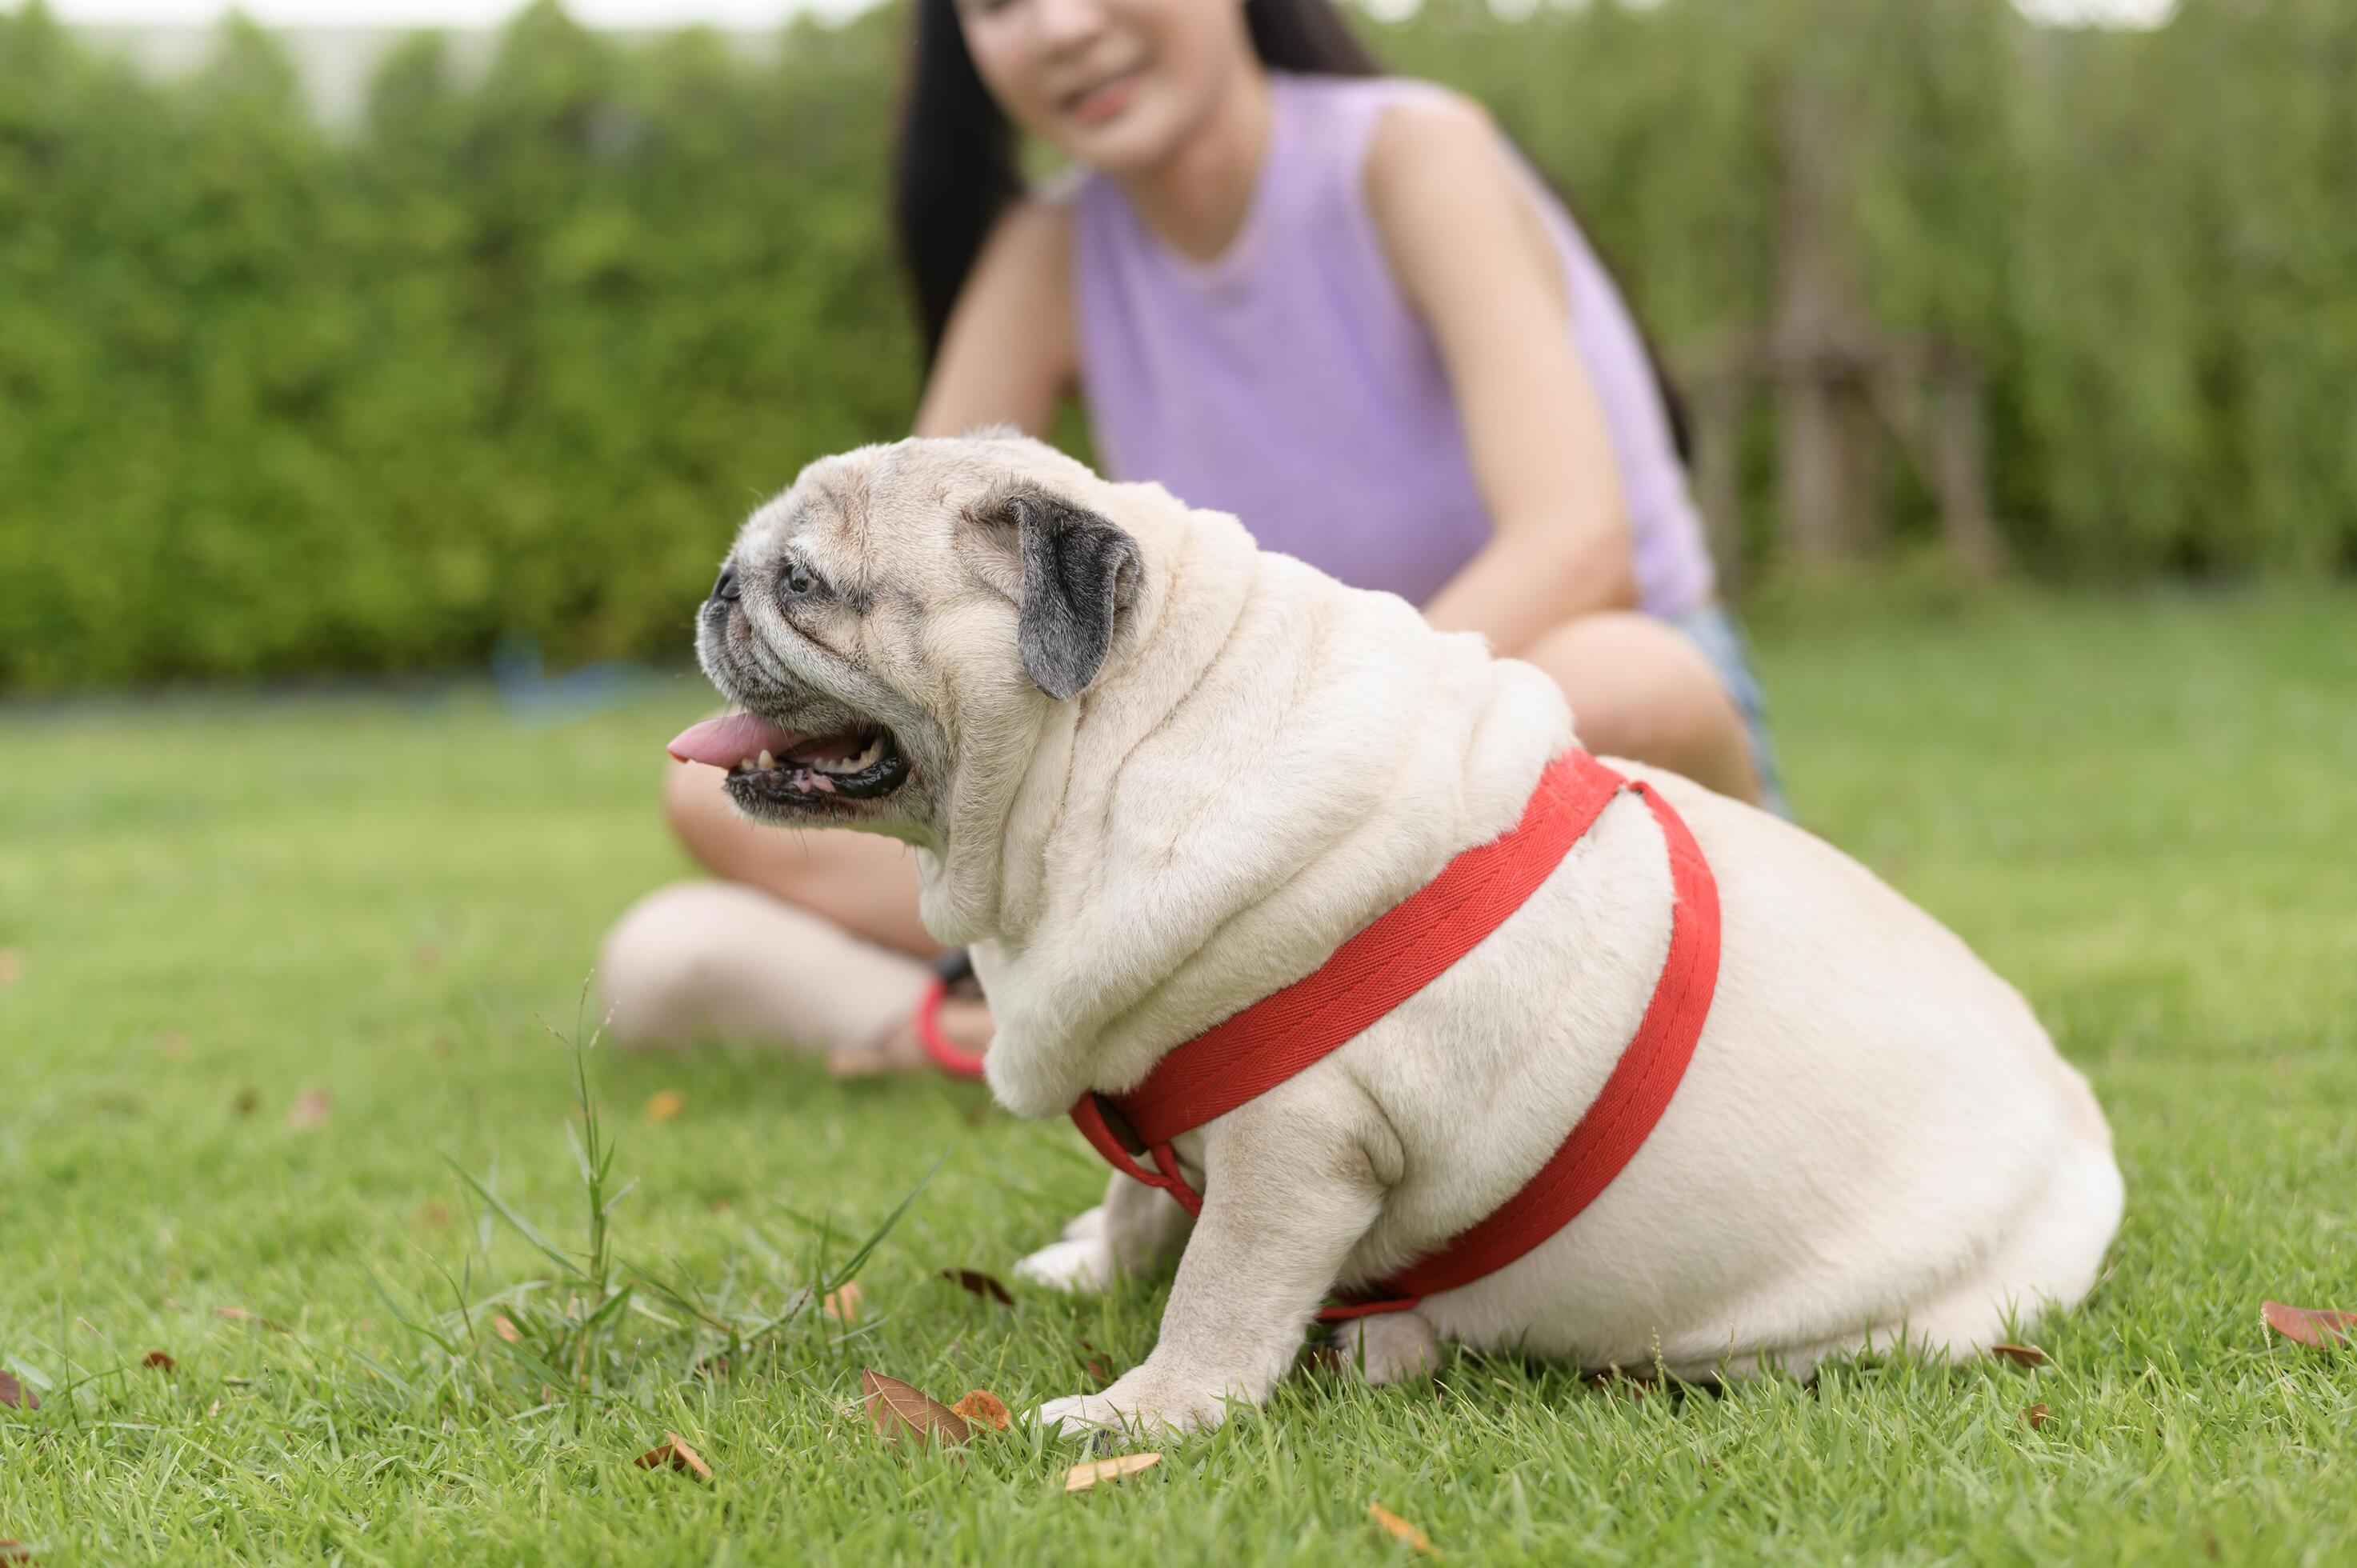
(724,741)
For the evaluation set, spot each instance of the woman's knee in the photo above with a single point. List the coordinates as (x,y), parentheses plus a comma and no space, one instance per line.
(1640,688)
(699,959)
(654,967)
(1632,680)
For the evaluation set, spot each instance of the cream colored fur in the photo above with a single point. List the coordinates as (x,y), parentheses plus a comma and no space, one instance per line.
(1876,1141)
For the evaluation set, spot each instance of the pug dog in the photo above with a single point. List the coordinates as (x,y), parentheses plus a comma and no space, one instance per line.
(1152,773)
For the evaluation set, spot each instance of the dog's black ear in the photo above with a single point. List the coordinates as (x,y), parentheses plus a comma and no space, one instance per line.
(1080,572)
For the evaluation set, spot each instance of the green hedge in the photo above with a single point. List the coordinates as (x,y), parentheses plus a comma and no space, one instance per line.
(516,355)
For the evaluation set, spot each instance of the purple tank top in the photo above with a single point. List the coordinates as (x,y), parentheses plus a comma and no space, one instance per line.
(1289,383)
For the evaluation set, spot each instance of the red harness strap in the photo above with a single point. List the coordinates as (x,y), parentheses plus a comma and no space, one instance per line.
(1404,950)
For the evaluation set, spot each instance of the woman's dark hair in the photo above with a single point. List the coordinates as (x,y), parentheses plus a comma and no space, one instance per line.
(955,170)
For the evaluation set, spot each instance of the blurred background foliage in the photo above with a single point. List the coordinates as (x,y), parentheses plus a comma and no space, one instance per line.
(515,354)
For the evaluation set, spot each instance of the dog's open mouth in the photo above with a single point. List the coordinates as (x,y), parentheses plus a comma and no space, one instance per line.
(768,762)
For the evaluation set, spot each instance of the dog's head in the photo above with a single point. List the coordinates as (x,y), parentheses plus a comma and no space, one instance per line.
(904,612)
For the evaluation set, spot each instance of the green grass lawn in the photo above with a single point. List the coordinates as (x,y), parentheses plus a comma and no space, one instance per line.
(2143,812)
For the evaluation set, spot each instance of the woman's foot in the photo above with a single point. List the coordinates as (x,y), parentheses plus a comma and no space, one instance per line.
(964,1021)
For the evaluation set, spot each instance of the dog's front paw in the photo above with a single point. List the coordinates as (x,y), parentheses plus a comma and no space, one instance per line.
(1139,1405)
(1081,1266)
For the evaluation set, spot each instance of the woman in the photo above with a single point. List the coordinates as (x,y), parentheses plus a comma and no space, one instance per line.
(1336,304)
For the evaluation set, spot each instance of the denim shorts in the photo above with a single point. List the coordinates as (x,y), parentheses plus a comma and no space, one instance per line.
(1722,641)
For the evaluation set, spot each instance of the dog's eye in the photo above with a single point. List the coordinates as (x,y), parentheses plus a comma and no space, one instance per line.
(798,581)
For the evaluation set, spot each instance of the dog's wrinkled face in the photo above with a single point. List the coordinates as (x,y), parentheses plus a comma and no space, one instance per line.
(901,612)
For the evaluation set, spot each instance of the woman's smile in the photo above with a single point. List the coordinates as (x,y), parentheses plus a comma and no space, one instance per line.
(1116,86)
(1104,99)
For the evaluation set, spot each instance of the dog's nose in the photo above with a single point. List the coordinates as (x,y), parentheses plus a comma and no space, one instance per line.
(726,588)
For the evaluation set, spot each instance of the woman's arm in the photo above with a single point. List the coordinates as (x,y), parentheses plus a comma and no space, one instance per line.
(1469,251)
(1009,353)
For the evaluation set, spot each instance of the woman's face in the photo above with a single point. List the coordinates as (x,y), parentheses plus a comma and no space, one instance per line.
(1118,85)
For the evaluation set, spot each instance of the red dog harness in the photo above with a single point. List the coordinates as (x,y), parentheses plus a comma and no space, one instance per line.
(1404,950)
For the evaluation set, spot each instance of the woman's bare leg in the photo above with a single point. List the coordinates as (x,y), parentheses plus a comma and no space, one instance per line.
(866,883)
(1640,688)
(713,959)
(807,938)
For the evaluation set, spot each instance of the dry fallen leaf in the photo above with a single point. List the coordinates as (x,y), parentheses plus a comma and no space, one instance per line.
(159,1359)
(1080,1477)
(11,966)
(676,1455)
(1095,1365)
(982,1408)
(897,1410)
(843,1303)
(310,1110)
(1399,1527)
(2308,1324)
(2035,1415)
(1618,1382)
(173,1044)
(16,1394)
(665,1104)
(239,1314)
(16,1551)
(975,1282)
(426,956)
(505,1330)
(2020,1355)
